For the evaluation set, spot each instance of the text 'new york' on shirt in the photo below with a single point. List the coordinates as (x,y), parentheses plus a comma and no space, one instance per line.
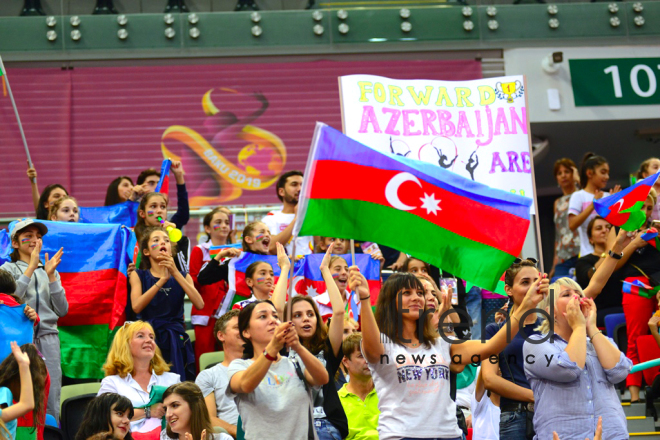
(413,390)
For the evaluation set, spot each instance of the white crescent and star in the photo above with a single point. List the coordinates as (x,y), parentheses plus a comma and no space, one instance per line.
(429,202)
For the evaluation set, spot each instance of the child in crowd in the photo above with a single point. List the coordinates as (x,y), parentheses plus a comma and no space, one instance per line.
(186,414)
(20,367)
(214,381)
(415,266)
(64,209)
(148,180)
(342,246)
(649,167)
(567,243)
(121,190)
(109,412)
(157,296)
(271,391)
(51,193)
(39,285)
(134,365)
(259,277)
(153,206)
(351,326)
(217,227)
(594,175)
(358,395)
(323,342)
(256,239)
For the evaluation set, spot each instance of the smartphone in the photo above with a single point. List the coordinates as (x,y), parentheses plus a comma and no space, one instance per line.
(655,224)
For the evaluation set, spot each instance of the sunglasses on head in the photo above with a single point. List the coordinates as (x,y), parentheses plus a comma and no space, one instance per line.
(520,260)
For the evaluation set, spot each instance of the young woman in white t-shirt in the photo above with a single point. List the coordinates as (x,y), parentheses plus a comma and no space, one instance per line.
(594,175)
(410,362)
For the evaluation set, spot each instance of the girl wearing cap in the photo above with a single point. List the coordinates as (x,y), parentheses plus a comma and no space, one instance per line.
(38,284)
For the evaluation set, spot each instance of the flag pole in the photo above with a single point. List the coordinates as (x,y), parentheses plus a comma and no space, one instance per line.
(290,289)
(18,118)
(352,252)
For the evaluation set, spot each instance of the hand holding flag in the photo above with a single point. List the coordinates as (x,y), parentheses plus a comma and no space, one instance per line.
(624,208)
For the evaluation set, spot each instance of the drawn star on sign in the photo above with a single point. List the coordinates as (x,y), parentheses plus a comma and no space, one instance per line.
(430,203)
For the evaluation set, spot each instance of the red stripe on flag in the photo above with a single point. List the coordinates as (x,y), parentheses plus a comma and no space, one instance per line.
(310,287)
(97,297)
(458,214)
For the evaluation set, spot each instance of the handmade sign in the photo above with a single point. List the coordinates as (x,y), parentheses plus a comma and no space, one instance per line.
(478,129)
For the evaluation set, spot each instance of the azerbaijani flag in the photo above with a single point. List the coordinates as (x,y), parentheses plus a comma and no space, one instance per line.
(163,185)
(307,277)
(651,236)
(467,228)
(625,207)
(215,250)
(122,213)
(308,280)
(93,274)
(499,288)
(637,287)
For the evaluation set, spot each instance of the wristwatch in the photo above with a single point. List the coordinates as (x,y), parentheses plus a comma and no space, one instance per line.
(147,412)
(615,256)
(269,357)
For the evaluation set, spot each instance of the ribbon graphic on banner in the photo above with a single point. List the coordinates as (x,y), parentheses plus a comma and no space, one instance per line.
(232,179)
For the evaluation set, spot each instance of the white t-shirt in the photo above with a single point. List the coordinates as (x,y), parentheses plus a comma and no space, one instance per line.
(279,407)
(580,200)
(485,419)
(129,388)
(277,222)
(216,380)
(413,392)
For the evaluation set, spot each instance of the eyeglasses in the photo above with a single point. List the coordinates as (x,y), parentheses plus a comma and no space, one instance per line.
(127,323)
(520,260)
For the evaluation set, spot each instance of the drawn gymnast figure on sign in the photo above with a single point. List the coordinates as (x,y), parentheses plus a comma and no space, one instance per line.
(442,161)
(400,149)
(472,164)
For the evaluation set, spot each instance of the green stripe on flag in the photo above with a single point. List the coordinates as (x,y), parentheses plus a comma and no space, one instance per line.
(498,290)
(84,349)
(365,221)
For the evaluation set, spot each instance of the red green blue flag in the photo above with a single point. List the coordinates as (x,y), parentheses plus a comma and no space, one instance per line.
(467,228)
(93,274)
(215,250)
(624,208)
(163,185)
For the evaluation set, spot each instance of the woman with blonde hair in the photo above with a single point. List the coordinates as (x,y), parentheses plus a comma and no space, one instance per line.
(572,368)
(134,365)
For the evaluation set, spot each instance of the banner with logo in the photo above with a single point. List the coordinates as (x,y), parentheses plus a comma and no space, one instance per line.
(478,129)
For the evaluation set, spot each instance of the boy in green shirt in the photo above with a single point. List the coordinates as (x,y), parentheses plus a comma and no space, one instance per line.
(358,396)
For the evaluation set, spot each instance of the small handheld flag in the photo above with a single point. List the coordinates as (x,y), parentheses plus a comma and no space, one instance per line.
(164,182)
(637,287)
(215,250)
(624,208)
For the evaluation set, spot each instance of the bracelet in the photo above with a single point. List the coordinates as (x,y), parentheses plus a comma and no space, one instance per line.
(147,412)
(596,333)
(269,357)
(367,297)
(615,256)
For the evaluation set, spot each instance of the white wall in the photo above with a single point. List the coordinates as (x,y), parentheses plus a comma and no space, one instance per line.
(528,62)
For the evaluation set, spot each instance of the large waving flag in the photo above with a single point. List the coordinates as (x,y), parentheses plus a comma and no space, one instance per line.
(625,207)
(307,277)
(121,213)
(93,274)
(471,230)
